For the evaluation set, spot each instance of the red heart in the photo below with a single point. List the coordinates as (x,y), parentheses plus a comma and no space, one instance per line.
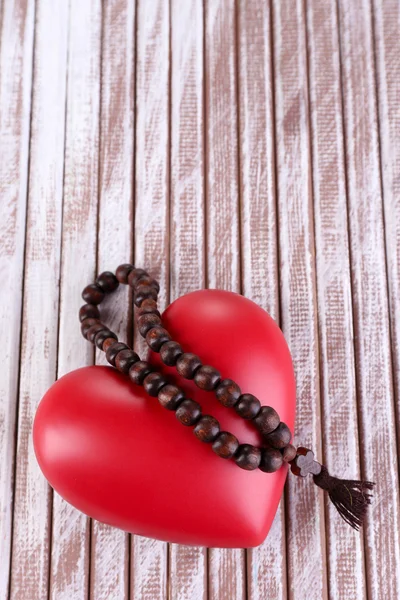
(118,456)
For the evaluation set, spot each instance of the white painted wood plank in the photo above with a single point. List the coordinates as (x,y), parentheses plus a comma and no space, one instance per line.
(340,441)
(151,246)
(227,576)
(69,576)
(30,551)
(110,547)
(188,565)
(369,284)
(16,52)
(387,52)
(266,576)
(305,526)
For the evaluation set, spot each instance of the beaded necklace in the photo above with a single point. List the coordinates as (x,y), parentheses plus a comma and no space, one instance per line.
(349,496)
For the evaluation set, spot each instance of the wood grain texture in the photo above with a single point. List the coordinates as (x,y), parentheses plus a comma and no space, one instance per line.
(151,245)
(32,511)
(16,52)
(335,322)
(266,565)
(187,576)
(69,575)
(227,574)
(110,552)
(369,286)
(305,527)
(387,51)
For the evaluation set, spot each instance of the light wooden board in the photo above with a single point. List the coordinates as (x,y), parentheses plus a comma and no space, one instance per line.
(250,146)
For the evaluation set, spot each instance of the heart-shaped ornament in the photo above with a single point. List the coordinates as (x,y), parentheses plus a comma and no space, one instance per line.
(115,454)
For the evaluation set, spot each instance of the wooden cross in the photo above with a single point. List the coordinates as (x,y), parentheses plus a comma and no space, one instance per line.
(304,463)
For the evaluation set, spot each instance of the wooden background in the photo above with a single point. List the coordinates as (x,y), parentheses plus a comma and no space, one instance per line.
(252,146)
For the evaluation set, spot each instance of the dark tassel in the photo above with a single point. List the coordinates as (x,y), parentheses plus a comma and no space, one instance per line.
(349,496)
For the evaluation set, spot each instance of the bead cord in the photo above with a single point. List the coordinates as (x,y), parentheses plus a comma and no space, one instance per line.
(350,497)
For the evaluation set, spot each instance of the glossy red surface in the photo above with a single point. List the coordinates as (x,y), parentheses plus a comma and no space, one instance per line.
(118,456)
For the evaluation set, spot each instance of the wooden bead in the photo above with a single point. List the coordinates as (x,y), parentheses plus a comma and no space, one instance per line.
(225,444)
(228,392)
(135,275)
(139,370)
(92,294)
(280,437)
(109,341)
(142,292)
(170,396)
(248,457)
(113,350)
(147,322)
(87,324)
(88,311)
(267,420)
(156,337)
(147,280)
(207,429)
(187,365)
(207,378)
(148,306)
(271,460)
(289,453)
(188,412)
(153,382)
(122,273)
(248,406)
(103,335)
(91,333)
(107,281)
(170,352)
(125,359)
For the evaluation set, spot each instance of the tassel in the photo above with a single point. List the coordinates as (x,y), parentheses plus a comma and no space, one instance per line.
(349,496)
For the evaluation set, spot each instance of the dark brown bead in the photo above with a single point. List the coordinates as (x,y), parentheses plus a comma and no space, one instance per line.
(289,453)
(170,396)
(139,370)
(170,352)
(142,292)
(122,273)
(188,412)
(92,294)
(187,365)
(107,281)
(207,429)
(94,330)
(135,275)
(271,460)
(225,444)
(113,350)
(248,406)
(280,437)
(87,324)
(207,378)
(156,337)
(89,311)
(148,306)
(153,382)
(109,341)
(147,280)
(125,359)
(147,322)
(267,420)
(248,457)
(228,392)
(102,336)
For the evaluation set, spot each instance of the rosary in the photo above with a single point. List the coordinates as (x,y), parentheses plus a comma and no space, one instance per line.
(350,497)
